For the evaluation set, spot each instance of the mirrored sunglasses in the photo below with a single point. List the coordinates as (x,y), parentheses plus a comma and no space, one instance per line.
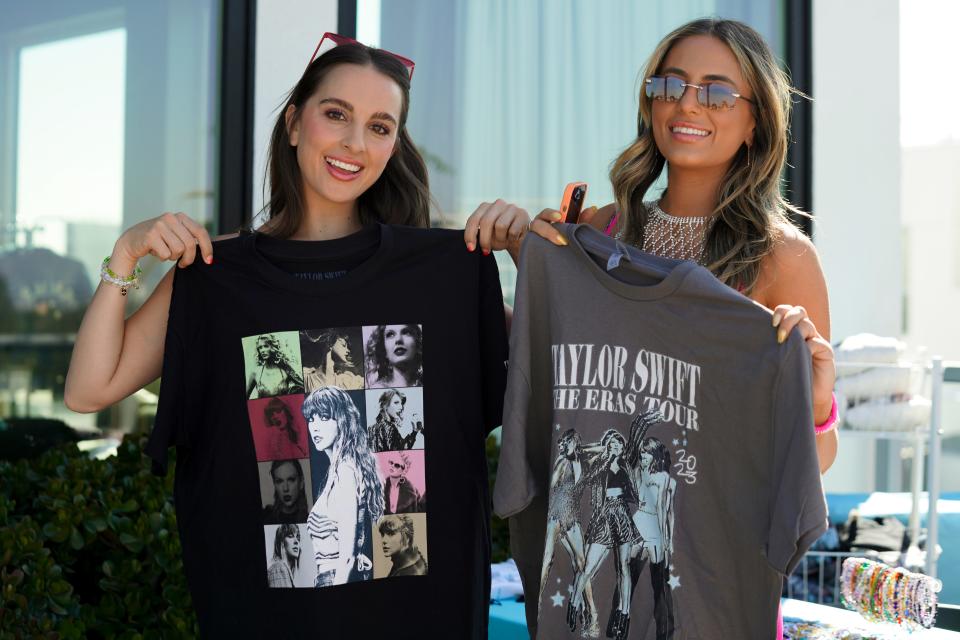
(712,95)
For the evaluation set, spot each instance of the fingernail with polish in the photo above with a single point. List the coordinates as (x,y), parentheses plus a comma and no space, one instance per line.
(561,241)
(556,215)
(776,320)
(781,336)
(486,252)
(470,247)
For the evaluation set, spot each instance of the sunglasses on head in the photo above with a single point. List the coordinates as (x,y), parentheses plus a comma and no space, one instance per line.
(712,95)
(397,465)
(331,40)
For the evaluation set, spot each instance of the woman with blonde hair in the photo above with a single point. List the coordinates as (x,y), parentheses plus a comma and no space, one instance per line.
(714,114)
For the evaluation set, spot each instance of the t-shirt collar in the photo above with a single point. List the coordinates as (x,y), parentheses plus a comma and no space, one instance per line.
(667,274)
(264,247)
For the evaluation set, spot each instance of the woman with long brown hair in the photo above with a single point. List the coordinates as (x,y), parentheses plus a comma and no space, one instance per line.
(334,167)
(340,244)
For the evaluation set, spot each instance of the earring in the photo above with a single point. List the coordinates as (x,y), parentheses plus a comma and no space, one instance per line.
(748,156)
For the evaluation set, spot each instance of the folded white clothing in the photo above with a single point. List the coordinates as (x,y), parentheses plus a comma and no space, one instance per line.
(866,348)
(876,383)
(880,415)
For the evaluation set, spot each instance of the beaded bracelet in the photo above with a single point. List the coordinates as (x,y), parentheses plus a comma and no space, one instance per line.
(927,603)
(892,612)
(124,282)
(877,596)
(871,587)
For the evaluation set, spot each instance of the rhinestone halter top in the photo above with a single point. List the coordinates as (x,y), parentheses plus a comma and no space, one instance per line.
(677,237)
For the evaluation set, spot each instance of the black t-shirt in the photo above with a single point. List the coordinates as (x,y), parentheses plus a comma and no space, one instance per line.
(283,361)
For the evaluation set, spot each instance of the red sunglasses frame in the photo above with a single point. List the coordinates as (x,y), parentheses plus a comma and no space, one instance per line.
(339,40)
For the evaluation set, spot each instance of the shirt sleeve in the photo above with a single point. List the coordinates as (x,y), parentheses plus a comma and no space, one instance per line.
(522,486)
(493,344)
(524,467)
(798,509)
(516,485)
(169,429)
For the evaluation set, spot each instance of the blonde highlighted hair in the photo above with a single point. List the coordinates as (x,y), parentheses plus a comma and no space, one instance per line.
(750,208)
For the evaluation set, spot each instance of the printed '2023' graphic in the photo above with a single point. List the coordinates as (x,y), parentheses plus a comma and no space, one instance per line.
(337,420)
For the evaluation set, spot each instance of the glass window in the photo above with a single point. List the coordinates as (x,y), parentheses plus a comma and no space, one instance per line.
(513,99)
(107,113)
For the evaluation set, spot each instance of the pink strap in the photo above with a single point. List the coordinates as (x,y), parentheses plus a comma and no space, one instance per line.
(612,224)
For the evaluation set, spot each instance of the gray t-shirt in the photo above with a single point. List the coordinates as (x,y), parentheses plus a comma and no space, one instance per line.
(658,462)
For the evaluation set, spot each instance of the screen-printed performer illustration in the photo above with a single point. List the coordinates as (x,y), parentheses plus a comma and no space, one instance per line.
(393,431)
(649,461)
(286,557)
(566,489)
(284,440)
(610,529)
(351,496)
(394,356)
(646,497)
(273,374)
(331,361)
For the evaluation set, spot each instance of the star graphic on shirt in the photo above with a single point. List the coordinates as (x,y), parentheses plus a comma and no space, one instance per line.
(684,442)
(556,427)
(558,580)
(675,442)
(674,582)
(557,599)
(569,588)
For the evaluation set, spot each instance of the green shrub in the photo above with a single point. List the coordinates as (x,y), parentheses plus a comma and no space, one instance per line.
(90,549)
(499,531)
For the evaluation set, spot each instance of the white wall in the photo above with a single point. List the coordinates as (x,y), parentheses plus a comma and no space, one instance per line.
(856,162)
(931,219)
(931,222)
(856,181)
(287,33)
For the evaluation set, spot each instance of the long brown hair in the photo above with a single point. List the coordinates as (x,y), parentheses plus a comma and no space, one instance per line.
(750,207)
(400,196)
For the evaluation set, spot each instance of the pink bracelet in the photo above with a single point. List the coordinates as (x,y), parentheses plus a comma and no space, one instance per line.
(831,421)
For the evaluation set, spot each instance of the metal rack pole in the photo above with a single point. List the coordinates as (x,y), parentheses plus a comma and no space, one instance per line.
(933,466)
(916,486)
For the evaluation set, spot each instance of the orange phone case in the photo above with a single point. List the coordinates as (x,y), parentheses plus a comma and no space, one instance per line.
(571,205)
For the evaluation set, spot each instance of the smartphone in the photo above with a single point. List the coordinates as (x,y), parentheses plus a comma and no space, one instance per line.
(572,204)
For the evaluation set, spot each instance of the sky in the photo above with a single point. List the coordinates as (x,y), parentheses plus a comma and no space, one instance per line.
(70,134)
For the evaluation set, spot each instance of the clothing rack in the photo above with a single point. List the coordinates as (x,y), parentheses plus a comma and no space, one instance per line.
(931,436)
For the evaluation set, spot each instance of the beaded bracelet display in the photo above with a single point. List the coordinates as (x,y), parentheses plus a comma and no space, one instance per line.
(124,282)
(889,594)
